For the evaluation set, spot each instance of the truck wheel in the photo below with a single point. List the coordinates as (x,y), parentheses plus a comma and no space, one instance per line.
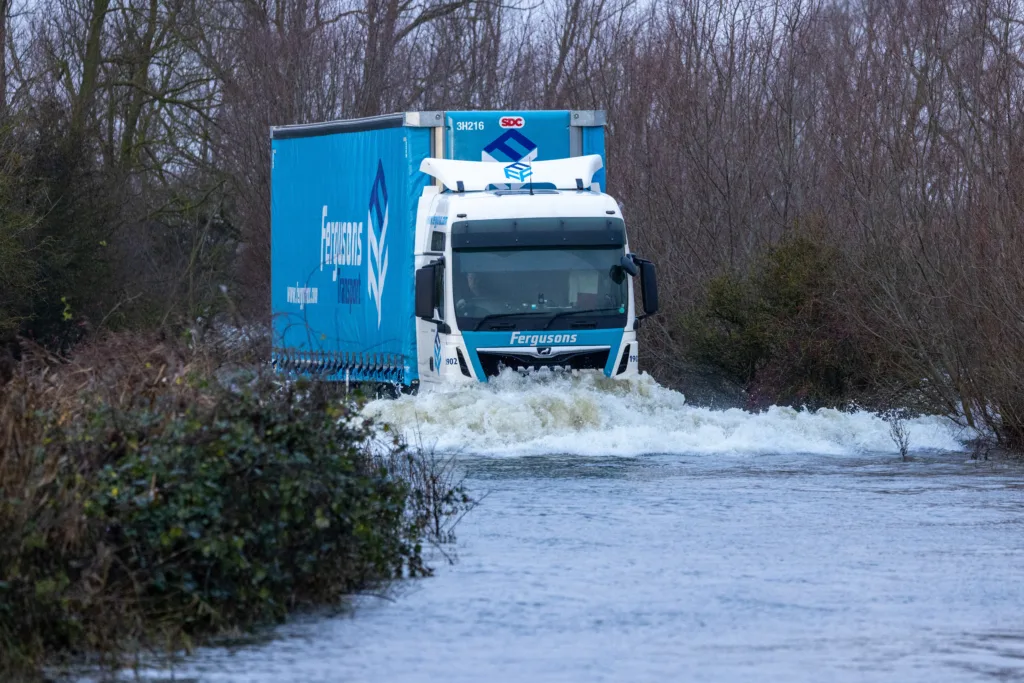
(387,390)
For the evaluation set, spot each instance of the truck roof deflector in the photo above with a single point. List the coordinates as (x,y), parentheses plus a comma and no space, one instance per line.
(564,174)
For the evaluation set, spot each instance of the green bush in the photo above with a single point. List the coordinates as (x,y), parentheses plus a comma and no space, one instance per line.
(780,330)
(724,330)
(155,506)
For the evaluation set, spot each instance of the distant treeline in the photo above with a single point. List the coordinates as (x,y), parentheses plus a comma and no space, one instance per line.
(833,191)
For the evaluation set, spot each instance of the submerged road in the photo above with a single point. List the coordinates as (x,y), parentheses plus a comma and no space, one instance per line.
(738,561)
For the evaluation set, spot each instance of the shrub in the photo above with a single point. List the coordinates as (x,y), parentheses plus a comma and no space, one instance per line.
(723,330)
(780,329)
(143,503)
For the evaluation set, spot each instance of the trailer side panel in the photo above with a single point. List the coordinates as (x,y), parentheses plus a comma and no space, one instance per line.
(343,211)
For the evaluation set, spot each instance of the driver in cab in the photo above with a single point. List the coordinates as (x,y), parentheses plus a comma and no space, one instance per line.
(481,298)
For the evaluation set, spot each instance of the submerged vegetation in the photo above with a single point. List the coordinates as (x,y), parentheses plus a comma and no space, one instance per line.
(152,496)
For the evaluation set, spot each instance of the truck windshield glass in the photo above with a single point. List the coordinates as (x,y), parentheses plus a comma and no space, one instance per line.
(504,284)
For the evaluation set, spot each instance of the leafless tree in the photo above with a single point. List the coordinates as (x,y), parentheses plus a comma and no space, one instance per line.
(891,132)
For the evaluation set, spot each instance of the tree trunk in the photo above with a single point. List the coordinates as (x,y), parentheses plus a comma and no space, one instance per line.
(90,69)
(140,83)
(5,10)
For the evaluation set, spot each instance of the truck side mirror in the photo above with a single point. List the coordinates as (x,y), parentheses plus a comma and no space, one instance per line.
(426,292)
(629,265)
(649,287)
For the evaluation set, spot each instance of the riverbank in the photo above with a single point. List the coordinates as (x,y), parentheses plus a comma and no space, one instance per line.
(153,496)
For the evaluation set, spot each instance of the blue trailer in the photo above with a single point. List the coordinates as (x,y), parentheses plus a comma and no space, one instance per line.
(365,211)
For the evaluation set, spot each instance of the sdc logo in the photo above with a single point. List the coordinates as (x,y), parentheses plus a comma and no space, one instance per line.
(512,122)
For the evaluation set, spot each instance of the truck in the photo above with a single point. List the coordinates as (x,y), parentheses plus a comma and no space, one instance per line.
(428,248)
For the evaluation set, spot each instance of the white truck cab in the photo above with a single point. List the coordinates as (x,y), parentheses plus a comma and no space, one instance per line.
(524,266)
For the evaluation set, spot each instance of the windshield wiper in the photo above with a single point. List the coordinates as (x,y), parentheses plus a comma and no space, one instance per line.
(495,316)
(562,314)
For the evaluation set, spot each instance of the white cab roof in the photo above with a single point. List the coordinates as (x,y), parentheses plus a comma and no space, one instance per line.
(520,204)
(565,174)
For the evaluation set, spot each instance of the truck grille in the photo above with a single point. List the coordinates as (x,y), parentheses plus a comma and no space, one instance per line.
(493,362)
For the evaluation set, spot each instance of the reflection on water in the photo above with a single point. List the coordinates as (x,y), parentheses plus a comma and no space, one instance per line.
(994,655)
(740,567)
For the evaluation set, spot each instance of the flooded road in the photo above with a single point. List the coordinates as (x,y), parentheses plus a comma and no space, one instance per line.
(724,557)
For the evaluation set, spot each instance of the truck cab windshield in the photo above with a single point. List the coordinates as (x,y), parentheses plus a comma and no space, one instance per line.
(536,287)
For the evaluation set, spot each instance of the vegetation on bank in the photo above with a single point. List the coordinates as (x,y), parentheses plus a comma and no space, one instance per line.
(831,190)
(775,329)
(152,496)
(808,325)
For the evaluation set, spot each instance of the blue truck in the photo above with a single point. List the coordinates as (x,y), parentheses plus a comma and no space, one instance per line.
(420,248)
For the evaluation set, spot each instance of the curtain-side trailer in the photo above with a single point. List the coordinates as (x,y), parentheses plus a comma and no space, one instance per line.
(427,247)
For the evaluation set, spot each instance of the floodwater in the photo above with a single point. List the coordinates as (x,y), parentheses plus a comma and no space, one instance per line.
(627,536)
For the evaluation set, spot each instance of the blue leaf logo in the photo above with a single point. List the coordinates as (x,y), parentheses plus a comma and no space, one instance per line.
(437,350)
(377,220)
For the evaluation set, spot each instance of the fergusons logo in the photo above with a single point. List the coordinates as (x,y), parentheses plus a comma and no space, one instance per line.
(377,217)
(518,171)
(341,243)
(535,339)
(510,146)
(341,246)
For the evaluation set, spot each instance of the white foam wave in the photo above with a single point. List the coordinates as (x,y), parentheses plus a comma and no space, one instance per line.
(589,414)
